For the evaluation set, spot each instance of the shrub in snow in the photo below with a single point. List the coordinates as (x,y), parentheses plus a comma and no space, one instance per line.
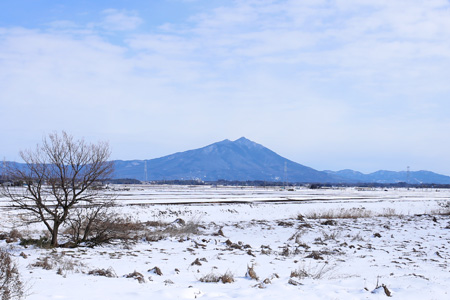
(136,275)
(251,273)
(156,271)
(98,225)
(103,272)
(228,277)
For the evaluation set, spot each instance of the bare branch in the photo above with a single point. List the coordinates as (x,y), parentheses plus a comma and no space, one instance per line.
(58,174)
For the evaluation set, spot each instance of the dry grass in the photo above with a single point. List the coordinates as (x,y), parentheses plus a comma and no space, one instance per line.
(444,209)
(136,275)
(316,272)
(11,285)
(333,235)
(113,227)
(156,223)
(177,229)
(102,229)
(43,242)
(228,277)
(187,229)
(60,262)
(352,213)
(44,263)
(315,255)
(388,212)
(358,238)
(251,272)
(14,236)
(297,236)
(103,272)
(211,277)
(156,271)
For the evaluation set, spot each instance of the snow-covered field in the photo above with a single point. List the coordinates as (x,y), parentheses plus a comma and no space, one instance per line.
(302,244)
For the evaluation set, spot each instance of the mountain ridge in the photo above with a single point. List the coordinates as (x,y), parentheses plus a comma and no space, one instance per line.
(241,159)
(244,160)
(386,176)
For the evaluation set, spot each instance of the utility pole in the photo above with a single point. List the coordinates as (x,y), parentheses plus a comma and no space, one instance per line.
(285,175)
(145,171)
(407,175)
(2,173)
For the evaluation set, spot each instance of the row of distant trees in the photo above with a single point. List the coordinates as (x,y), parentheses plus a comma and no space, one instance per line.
(262,183)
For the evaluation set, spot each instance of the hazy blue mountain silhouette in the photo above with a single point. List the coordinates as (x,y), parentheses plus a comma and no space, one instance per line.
(230,160)
(383,176)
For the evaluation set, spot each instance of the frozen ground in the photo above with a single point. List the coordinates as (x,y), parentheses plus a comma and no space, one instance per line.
(303,244)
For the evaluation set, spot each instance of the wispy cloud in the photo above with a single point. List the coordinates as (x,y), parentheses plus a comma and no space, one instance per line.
(120,20)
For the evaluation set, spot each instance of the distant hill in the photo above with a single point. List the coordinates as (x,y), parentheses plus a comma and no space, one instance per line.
(230,160)
(382,176)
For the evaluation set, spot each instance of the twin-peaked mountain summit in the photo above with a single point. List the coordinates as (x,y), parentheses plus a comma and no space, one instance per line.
(230,160)
(244,160)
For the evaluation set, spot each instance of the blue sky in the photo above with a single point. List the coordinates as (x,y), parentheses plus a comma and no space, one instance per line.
(329,84)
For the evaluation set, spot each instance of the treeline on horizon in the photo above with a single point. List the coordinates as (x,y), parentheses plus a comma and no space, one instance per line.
(262,183)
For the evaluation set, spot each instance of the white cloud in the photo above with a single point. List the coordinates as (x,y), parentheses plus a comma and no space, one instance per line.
(63,24)
(375,42)
(120,20)
(303,77)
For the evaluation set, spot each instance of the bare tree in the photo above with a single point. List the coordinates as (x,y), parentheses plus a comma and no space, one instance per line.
(58,176)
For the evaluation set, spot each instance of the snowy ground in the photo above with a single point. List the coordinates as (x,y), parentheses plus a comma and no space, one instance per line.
(395,238)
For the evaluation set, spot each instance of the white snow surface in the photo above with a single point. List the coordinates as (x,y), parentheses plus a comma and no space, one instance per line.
(401,241)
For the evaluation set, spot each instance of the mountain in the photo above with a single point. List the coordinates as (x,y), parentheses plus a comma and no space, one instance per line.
(246,160)
(383,176)
(230,160)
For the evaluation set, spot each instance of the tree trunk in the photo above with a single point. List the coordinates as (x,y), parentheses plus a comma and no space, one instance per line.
(54,241)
